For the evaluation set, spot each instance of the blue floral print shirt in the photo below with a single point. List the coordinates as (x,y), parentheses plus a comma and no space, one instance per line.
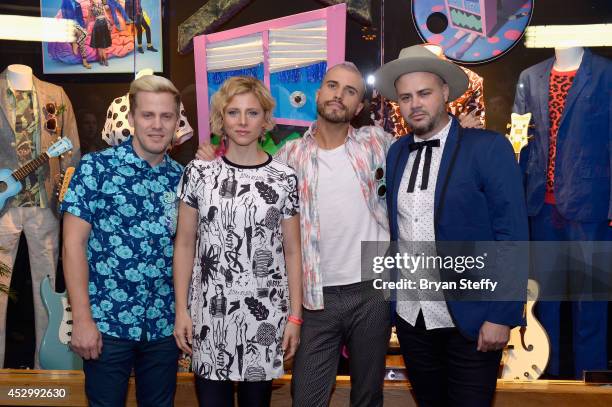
(132,208)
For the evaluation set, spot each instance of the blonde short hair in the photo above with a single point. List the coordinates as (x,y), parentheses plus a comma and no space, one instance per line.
(155,84)
(238,85)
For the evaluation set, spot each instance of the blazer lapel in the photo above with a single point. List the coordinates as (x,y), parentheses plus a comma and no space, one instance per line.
(543,87)
(582,78)
(43,96)
(449,149)
(4,100)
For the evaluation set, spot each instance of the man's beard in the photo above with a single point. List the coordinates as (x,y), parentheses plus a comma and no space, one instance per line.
(333,117)
(419,130)
(424,129)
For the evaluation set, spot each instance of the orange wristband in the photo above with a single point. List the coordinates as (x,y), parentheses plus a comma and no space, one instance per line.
(295,320)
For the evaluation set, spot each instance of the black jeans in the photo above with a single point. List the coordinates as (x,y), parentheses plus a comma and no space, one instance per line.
(444,367)
(220,393)
(155,364)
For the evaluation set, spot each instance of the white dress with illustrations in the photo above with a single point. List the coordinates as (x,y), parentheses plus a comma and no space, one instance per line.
(239,296)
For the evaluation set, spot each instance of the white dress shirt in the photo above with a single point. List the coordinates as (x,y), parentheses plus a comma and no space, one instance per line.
(416,224)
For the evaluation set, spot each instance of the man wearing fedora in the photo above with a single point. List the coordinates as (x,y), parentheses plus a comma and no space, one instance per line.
(466,188)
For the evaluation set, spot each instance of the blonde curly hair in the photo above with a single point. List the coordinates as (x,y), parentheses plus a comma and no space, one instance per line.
(238,85)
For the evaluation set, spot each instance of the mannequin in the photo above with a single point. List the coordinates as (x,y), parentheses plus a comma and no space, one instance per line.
(33,114)
(19,77)
(568,192)
(568,59)
(117,129)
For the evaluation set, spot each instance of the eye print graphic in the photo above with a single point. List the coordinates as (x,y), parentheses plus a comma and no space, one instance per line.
(297,99)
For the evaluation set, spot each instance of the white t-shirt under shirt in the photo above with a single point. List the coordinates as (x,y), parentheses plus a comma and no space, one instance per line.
(239,296)
(344,219)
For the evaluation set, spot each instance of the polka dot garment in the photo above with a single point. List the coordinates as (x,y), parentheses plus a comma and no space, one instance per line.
(416,224)
(117,129)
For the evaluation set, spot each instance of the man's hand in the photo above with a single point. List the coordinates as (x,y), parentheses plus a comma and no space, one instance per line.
(86,340)
(183,330)
(470,120)
(492,337)
(206,152)
(291,340)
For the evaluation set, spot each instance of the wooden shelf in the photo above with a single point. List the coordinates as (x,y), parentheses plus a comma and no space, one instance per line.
(540,393)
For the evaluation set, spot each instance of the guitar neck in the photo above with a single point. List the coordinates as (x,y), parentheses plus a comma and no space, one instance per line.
(24,171)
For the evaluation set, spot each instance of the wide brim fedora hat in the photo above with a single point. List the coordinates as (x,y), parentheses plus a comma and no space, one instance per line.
(417,58)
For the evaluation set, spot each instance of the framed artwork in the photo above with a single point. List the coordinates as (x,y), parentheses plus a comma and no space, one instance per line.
(112,36)
(472,31)
(289,54)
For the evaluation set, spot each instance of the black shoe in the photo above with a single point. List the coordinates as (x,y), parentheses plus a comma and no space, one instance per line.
(140,50)
(151,48)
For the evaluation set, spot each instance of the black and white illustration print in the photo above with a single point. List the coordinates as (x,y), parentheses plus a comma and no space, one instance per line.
(239,297)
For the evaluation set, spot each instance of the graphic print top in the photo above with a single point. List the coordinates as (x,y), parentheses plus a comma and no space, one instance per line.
(239,297)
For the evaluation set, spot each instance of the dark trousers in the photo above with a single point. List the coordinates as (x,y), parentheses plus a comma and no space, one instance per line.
(557,273)
(220,393)
(141,23)
(356,315)
(444,367)
(155,364)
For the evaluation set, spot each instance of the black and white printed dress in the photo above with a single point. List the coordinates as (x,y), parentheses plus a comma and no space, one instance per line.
(239,296)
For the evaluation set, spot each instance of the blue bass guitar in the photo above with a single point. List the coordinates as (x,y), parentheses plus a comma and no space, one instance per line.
(55,354)
(10,181)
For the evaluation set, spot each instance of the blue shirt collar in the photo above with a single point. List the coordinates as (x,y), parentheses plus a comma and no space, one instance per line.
(131,157)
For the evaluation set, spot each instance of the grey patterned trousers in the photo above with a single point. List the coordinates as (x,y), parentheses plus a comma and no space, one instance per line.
(41,228)
(356,315)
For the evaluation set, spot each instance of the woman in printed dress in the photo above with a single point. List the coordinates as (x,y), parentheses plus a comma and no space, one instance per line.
(248,197)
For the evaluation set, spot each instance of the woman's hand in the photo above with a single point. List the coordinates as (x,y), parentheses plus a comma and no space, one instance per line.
(291,340)
(183,329)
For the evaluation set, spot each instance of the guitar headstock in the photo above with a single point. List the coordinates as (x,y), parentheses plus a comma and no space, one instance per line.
(65,183)
(519,131)
(59,147)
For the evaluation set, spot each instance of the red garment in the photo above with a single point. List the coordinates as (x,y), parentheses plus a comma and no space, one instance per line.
(560,84)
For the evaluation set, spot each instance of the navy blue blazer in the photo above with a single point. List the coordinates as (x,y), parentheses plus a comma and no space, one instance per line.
(484,201)
(584,140)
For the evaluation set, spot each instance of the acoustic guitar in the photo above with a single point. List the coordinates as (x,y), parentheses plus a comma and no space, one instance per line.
(10,181)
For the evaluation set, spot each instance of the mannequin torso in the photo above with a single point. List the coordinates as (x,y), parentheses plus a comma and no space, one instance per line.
(19,77)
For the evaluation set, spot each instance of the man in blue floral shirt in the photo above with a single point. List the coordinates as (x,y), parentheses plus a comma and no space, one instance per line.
(119,227)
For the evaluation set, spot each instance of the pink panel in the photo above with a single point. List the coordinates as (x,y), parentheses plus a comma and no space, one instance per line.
(291,122)
(335,53)
(199,49)
(336,34)
(265,39)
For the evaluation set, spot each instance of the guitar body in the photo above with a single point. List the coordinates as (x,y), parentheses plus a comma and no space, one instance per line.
(9,186)
(10,180)
(55,354)
(526,355)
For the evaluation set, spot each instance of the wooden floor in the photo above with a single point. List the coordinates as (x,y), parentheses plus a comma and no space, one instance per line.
(397,393)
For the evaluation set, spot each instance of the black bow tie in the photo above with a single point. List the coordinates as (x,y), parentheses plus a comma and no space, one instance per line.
(419,146)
